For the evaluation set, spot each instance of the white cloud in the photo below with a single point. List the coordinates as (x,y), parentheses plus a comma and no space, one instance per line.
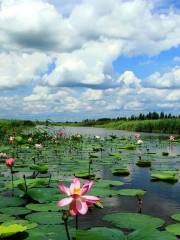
(67,56)
(91,65)
(21,68)
(169,79)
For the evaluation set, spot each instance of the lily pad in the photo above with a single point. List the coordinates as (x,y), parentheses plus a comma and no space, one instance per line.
(6,231)
(131,192)
(133,220)
(43,195)
(47,218)
(168,176)
(25,223)
(120,171)
(176,217)
(143,163)
(39,168)
(99,233)
(48,207)
(107,183)
(174,229)
(50,232)
(150,234)
(15,211)
(5,217)
(11,202)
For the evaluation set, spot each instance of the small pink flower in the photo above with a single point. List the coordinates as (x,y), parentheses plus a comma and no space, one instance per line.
(60,133)
(171,138)
(137,136)
(9,162)
(2,154)
(77,200)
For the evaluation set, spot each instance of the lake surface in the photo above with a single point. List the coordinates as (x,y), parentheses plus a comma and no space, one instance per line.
(162,199)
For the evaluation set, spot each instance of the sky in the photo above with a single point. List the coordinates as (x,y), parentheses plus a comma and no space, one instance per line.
(71,60)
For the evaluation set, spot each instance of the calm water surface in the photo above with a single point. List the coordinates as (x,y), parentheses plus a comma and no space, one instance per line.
(162,199)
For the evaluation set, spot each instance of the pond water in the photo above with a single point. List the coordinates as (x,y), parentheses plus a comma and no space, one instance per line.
(162,199)
(70,157)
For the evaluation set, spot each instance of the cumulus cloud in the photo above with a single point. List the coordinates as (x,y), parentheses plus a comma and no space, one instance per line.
(169,79)
(17,69)
(63,52)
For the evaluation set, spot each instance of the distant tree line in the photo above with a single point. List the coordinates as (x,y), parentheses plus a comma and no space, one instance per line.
(141,116)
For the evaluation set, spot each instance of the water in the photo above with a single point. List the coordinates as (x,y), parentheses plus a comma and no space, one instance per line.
(161,200)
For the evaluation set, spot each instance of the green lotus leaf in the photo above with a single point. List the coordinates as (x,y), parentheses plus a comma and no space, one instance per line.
(174,229)
(133,220)
(5,217)
(130,147)
(120,171)
(43,195)
(131,192)
(15,211)
(25,223)
(11,202)
(143,163)
(18,139)
(176,217)
(31,183)
(107,183)
(169,176)
(47,218)
(39,168)
(6,231)
(150,234)
(99,233)
(44,232)
(48,207)
(103,192)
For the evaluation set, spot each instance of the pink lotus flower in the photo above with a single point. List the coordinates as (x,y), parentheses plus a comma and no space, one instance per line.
(78,201)
(60,134)
(9,162)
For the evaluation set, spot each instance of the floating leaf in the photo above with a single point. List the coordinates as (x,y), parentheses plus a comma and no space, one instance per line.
(150,234)
(131,192)
(15,210)
(143,163)
(174,229)
(48,207)
(176,216)
(133,220)
(6,231)
(47,218)
(100,233)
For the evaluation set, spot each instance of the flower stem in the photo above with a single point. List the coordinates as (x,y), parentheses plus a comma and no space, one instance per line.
(12,179)
(77,222)
(26,188)
(65,219)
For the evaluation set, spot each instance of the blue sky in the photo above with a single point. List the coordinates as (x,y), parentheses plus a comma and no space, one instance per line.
(77,59)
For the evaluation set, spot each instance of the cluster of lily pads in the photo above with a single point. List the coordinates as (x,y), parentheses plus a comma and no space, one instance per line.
(43,159)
